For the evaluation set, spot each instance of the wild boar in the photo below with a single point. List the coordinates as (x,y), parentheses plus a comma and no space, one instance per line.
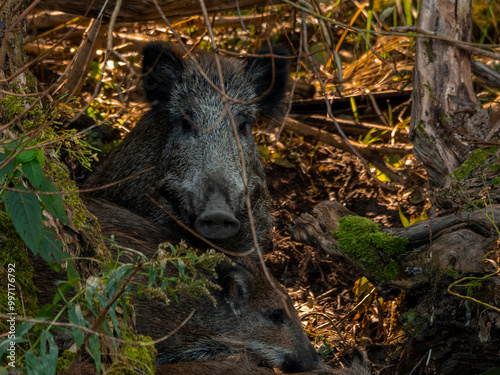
(253,314)
(189,138)
(242,366)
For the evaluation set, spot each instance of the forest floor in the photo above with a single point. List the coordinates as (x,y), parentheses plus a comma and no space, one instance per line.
(329,291)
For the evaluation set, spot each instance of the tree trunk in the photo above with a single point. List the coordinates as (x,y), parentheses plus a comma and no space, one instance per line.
(446,116)
(12,56)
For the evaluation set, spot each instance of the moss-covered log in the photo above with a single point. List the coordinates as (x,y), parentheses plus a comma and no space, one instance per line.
(451,289)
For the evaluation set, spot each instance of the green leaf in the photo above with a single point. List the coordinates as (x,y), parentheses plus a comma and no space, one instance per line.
(26,215)
(181,267)
(114,319)
(50,248)
(284,163)
(94,352)
(47,311)
(47,361)
(76,317)
(8,168)
(11,146)
(26,156)
(53,203)
(114,279)
(404,220)
(152,275)
(40,157)
(93,283)
(103,301)
(34,173)
(62,289)
(21,330)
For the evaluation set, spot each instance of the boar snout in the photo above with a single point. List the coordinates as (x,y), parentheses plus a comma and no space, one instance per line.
(217,220)
(307,360)
(217,224)
(296,365)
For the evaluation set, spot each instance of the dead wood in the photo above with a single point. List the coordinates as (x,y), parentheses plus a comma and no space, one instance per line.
(372,153)
(363,102)
(352,128)
(46,20)
(486,74)
(459,336)
(457,242)
(145,10)
(84,57)
(336,141)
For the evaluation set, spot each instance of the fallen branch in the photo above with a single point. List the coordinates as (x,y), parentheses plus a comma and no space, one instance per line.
(352,128)
(336,141)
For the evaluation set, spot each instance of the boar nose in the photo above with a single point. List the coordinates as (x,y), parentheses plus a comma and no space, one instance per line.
(217,224)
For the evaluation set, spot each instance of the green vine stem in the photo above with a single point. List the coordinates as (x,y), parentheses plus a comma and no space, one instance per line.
(470,298)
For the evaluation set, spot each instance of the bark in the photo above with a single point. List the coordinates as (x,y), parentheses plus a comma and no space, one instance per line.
(446,115)
(12,57)
(145,10)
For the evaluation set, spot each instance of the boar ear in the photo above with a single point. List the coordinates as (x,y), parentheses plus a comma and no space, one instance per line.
(161,67)
(236,285)
(262,71)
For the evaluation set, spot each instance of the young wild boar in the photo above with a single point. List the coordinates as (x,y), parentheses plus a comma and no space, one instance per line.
(250,315)
(242,366)
(188,137)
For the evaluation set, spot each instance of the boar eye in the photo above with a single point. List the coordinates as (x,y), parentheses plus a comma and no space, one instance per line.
(278,316)
(242,126)
(186,125)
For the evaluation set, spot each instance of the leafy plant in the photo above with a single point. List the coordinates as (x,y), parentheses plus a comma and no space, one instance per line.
(19,164)
(98,308)
(370,137)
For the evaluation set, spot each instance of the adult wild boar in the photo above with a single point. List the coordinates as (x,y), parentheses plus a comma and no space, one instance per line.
(253,315)
(189,138)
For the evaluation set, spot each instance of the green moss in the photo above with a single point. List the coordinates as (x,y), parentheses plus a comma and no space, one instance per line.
(495,166)
(414,324)
(420,127)
(473,162)
(448,272)
(59,175)
(477,203)
(13,251)
(130,359)
(64,360)
(13,106)
(362,240)
(141,359)
(429,88)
